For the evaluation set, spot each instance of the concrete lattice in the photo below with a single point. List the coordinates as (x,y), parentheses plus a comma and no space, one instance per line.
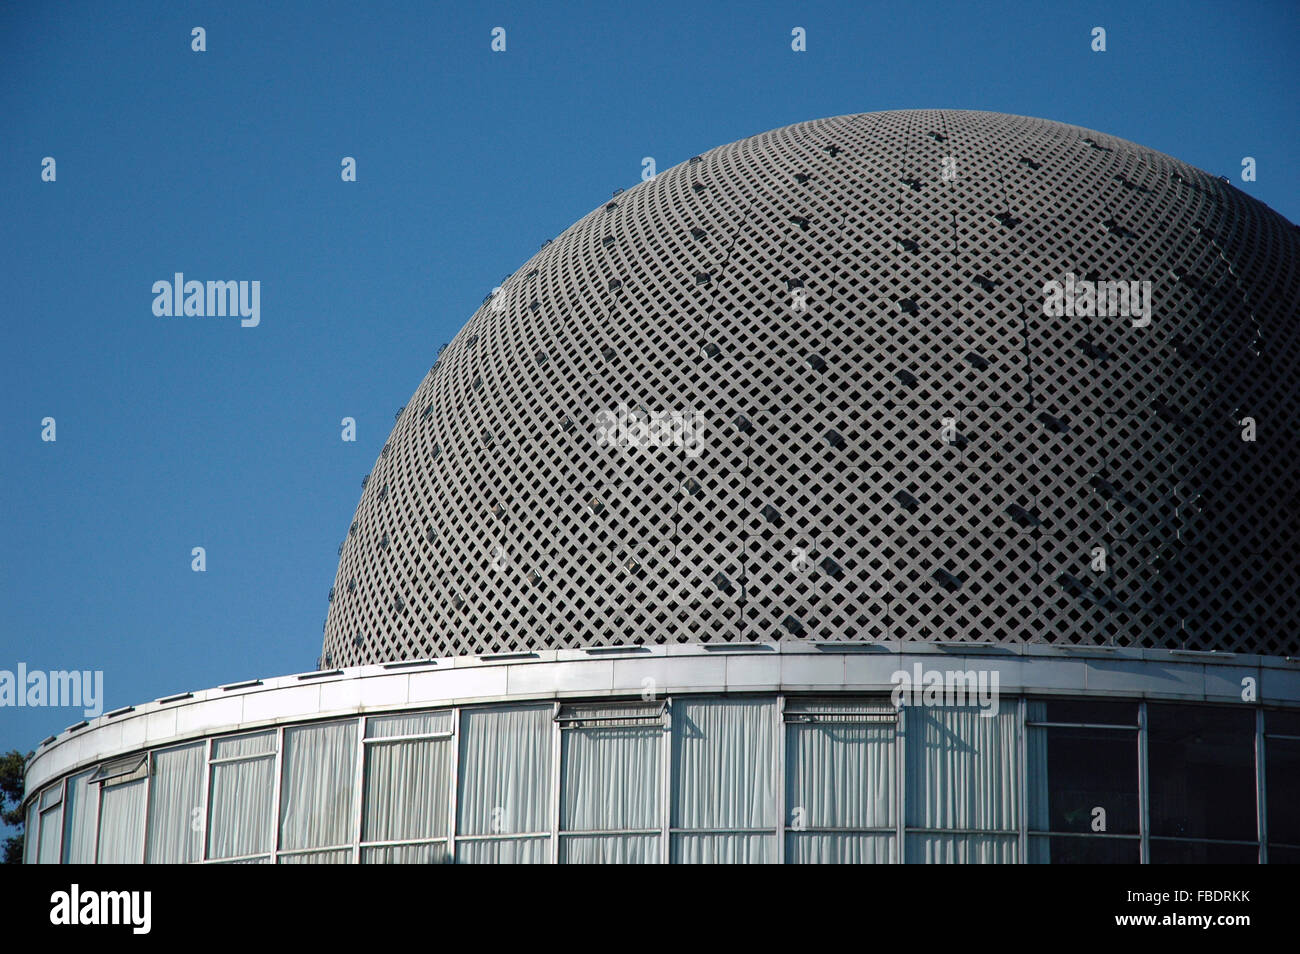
(896,442)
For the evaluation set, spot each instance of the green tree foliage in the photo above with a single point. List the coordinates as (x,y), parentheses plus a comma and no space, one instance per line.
(11,800)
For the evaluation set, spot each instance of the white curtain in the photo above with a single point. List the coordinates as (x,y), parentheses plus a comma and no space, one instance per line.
(504,851)
(336,856)
(79,819)
(318,791)
(121,823)
(434,853)
(840,775)
(610,778)
(241,813)
(175,805)
(963,772)
(609,849)
(724,758)
(51,833)
(414,723)
(505,771)
(842,848)
(407,789)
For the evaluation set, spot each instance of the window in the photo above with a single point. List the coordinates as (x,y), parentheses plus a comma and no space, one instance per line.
(241,807)
(611,766)
(503,792)
(1083,781)
(1282,771)
(80,819)
(841,781)
(1201,762)
(724,780)
(963,769)
(317,793)
(175,802)
(121,814)
(407,791)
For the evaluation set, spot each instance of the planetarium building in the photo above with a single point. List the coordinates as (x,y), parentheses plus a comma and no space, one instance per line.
(914,486)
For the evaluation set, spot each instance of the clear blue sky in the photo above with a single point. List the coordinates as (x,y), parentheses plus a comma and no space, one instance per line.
(175,433)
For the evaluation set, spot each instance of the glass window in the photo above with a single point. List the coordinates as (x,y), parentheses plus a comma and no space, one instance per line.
(503,793)
(80,818)
(1201,762)
(407,788)
(610,784)
(31,832)
(318,791)
(121,822)
(241,809)
(51,826)
(1082,780)
(1282,778)
(963,777)
(1083,850)
(724,780)
(841,781)
(176,805)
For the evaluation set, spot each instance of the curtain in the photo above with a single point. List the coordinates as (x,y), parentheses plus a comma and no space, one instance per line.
(963,770)
(175,800)
(505,771)
(435,853)
(841,776)
(415,723)
(407,789)
(610,778)
(79,820)
(242,808)
(255,743)
(318,792)
(336,856)
(504,851)
(723,849)
(843,848)
(121,823)
(51,832)
(724,759)
(609,849)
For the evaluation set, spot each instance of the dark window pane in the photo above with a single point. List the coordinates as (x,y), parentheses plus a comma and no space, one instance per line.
(1085,710)
(1279,722)
(1283,856)
(1086,769)
(1201,853)
(1282,774)
(1202,767)
(1064,850)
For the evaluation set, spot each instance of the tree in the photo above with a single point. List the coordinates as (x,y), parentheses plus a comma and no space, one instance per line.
(11,803)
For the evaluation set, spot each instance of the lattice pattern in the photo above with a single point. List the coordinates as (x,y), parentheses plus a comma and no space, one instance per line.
(829,502)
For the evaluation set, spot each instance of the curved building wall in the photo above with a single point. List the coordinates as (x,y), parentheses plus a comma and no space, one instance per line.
(692,756)
(848,415)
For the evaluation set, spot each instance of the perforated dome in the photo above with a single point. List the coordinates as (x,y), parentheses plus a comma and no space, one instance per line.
(895,441)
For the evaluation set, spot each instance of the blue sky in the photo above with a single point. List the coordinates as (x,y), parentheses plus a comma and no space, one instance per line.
(176,433)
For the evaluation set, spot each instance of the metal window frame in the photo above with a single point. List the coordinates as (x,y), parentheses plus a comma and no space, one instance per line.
(212,763)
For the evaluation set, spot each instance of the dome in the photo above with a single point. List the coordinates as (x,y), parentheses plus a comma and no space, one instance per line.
(852,380)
